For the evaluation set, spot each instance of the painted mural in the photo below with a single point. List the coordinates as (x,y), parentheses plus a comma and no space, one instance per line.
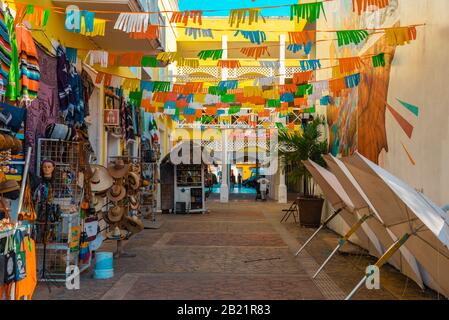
(357,119)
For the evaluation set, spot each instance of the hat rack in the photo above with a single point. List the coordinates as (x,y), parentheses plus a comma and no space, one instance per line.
(125,202)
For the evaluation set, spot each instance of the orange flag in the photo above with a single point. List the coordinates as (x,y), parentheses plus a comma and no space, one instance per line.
(336,86)
(255,52)
(230,64)
(348,65)
(300,37)
(302,77)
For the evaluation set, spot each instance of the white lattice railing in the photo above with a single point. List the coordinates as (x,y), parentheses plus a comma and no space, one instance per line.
(213,73)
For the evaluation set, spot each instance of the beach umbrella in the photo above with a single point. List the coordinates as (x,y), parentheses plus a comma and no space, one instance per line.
(403,260)
(418,223)
(337,196)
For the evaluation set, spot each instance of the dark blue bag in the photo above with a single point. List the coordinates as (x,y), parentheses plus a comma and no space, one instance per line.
(18,116)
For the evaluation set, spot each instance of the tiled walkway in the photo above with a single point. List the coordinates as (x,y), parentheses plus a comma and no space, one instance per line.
(237,251)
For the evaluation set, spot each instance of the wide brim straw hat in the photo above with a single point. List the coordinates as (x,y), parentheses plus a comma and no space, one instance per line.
(98,203)
(116,193)
(116,214)
(134,202)
(113,236)
(132,224)
(101,180)
(134,181)
(118,169)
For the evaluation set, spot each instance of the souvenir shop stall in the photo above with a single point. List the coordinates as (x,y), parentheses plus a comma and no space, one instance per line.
(183,184)
(150,156)
(57,206)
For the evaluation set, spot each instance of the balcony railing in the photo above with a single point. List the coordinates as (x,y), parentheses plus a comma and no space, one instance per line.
(211,73)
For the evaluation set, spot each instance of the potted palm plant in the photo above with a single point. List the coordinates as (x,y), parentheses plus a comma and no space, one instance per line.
(295,147)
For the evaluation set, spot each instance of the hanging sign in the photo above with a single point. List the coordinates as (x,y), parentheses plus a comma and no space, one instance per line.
(111,117)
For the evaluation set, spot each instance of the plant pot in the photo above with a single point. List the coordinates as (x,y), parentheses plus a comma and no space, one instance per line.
(310,211)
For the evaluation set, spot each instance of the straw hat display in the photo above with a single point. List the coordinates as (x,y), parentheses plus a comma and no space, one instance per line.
(133,181)
(120,183)
(116,193)
(116,214)
(117,234)
(132,224)
(118,169)
(134,202)
(98,203)
(101,180)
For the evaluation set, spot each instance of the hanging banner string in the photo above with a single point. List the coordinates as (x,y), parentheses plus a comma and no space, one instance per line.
(271,31)
(180,58)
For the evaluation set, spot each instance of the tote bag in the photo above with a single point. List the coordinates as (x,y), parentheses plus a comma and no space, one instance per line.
(9,261)
(20,256)
(26,287)
(18,116)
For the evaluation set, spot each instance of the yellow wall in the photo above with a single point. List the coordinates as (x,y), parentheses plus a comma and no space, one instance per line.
(246,170)
(273,28)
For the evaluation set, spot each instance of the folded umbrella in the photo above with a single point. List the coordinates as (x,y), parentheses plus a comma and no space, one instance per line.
(403,260)
(419,224)
(337,197)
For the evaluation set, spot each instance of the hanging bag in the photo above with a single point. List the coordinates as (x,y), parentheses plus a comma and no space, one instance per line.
(9,261)
(25,287)
(29,212)
(7,255)
(20,256)
(15,116)
(2,263)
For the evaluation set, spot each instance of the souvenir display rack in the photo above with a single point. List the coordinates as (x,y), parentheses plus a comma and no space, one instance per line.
(62,250)
(149,193)
(135,166)
(189,188)
(10,229)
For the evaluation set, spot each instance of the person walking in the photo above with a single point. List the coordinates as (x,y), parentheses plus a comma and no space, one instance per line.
(239,180)
(263,185)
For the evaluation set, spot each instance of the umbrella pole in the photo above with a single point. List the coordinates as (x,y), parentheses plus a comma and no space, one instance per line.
(327,260)
(318,230)
(382,260)
(343,240)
